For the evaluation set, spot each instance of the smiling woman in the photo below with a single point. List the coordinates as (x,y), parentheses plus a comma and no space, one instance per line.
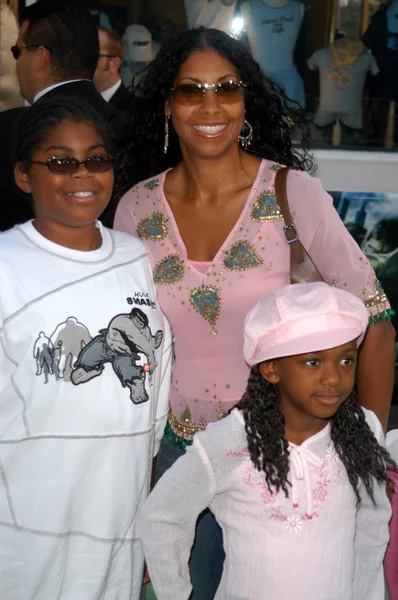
(207,134)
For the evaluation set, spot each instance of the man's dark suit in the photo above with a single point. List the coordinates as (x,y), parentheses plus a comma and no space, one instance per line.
(120,98)
(15,205)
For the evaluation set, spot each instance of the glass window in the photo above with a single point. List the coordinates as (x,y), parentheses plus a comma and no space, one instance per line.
(337,58)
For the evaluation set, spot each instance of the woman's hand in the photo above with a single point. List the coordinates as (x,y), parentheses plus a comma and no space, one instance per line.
(146,579)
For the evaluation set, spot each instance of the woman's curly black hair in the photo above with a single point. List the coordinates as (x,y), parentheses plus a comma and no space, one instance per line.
(268,110)
(355,444)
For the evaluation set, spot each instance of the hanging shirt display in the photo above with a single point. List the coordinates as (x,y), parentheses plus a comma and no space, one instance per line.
(381,38)
(392,17)
(138,52)
(343,68)
(273,33)
(216,14)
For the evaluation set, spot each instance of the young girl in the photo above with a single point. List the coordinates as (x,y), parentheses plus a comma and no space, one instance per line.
(295,475)
(84,372)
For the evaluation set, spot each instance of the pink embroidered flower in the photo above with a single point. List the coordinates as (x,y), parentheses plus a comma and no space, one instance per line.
(331,453)
(294,524)
(239,453)
(267,497)
(320,493)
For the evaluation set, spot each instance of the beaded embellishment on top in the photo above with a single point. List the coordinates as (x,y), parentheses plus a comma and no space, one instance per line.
(169,270)
(242,256)
(152,185)
(206,301)
(152,227)
(266,208)
(186,416)
(378,296)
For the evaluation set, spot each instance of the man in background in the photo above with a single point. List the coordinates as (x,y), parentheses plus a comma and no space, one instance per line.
(107,74)
(56,53)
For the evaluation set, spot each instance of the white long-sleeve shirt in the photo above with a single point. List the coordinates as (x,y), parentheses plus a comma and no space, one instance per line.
(81,416)
(315,545)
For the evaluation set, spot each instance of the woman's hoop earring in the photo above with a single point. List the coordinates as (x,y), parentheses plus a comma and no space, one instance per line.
(166,133)
(246,136)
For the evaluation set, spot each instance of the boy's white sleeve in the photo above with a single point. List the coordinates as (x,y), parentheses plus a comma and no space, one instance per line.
(168,518)
(6,366)
(371,536)
(162,409)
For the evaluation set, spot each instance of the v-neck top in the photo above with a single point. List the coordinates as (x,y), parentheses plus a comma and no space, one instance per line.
(206,304)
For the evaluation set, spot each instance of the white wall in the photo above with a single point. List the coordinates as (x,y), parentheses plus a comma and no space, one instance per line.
(347,171)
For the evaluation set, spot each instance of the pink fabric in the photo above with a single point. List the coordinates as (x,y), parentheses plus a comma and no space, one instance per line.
(207,307)
(391,558)
(304,317)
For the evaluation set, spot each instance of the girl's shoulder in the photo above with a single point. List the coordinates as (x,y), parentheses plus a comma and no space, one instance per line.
(374,425)
(227,433)
(224,444)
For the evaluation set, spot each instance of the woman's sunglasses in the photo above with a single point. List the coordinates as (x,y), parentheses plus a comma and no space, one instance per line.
(193,94)
(66,165)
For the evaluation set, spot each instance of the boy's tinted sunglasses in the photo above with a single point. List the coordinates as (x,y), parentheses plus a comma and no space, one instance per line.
(66,165)
(193,94)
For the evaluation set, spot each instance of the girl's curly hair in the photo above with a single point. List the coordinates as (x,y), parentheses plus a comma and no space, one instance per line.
(355,444)
(268,110)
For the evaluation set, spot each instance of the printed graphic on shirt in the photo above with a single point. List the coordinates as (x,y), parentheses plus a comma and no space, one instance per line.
(277,24)
(56,355)
(73,355)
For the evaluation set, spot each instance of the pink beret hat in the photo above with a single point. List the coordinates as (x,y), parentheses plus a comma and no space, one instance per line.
(301,318)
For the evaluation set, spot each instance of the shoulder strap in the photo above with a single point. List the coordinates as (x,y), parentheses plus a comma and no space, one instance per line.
(302,268)
(290,230)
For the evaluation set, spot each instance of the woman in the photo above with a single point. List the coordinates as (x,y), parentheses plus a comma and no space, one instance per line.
(215,237)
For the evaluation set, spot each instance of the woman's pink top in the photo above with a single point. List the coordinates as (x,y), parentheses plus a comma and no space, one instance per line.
(206,303)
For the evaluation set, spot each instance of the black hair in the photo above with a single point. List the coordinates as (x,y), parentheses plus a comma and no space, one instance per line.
(267,109)
(43,116)
(137,312)
(69,31)
(355,444)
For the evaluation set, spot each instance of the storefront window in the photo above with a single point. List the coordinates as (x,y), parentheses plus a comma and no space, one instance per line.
(337,58)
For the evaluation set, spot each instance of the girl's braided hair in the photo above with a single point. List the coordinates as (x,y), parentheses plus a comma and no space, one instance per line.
(355,444)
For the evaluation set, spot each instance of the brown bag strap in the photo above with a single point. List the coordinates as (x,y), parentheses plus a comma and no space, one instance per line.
(289,228)
(302,268)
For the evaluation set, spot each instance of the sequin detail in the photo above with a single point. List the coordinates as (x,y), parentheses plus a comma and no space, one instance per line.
(377,297)
(152,227)
(169,270)
(185,430)
(186,416)
(266,208)
(206,301)
(152,185)
(242,256)
(276,168)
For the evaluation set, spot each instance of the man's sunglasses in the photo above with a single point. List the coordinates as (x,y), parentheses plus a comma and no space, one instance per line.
(193,94)
(17,50)
(66,165)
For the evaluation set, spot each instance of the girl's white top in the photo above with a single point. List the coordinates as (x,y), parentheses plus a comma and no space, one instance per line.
(315,545)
